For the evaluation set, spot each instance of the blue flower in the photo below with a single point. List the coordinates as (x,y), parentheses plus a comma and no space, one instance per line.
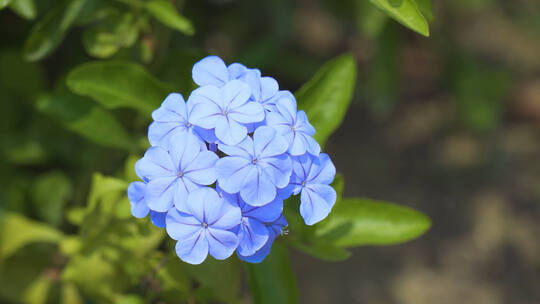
(255,167)
(226,109)
(211,70)
(158,218)
(136,192)
(263,89)
(294,126)
(204,225)
(253,233)
(175,170)
(274,229)
(312,177)
(172,118)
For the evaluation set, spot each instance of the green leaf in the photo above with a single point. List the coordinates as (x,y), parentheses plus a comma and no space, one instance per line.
(24,8)
(405,12)
(50,193)
(16,231)
(272,280)
(117,84)
(426,7)
(4,3)
(355,222)
(49,32)
(37,292)
(166,13)
(117,31)
(85,118)
(219,279)
(326,97)
(323,251)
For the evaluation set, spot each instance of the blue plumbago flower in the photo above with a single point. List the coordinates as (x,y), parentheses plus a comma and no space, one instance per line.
(212,205)
(255,167)
(158,218)
(253,233)
(170,119)
(136,192)
(211,70)
(205,224)
(274,228)
(312,177)
(227,110)
(175,170)
(294,126)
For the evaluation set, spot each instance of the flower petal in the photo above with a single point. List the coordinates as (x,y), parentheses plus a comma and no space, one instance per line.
(253,235)
(221,243)
(258,189)
(160,193)
(236,70)
(278,168)
(316,202)
(229,131)
(322,171)
(184,186)
(244,149)
(181,225)
(173,109)
(136,192)
(155,163)
(158,218)
(231,171)
(235,93)
(267,213)
(210,70)
(268,143)
(247,113)
(183,149)
(206,107)
(269,88)
(258,256)
(226,215)
(193,250)
(201,170)
(286,106)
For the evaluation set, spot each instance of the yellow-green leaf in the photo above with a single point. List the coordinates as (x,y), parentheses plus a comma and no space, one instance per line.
(165,12)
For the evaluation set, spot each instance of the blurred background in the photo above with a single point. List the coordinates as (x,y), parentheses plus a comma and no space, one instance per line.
(448,125)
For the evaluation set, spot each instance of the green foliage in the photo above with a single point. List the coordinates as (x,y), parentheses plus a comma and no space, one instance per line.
(49,32)
(101,254)
(114,32)
(85,118)
(272,281)
(16,231)
(355,222)
(50,193)
(326,97)
(166,13)
(406,12)
(24,8)
(119,84)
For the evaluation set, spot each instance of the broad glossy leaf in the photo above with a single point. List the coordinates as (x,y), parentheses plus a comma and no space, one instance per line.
(85,118)
(355,222)
(49,32)
(272,280)
(24,8)
(326,97)
(16,231)
(405,12)
(117,84)
(166,13)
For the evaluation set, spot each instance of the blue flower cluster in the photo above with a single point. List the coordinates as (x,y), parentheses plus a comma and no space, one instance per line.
(222,163)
